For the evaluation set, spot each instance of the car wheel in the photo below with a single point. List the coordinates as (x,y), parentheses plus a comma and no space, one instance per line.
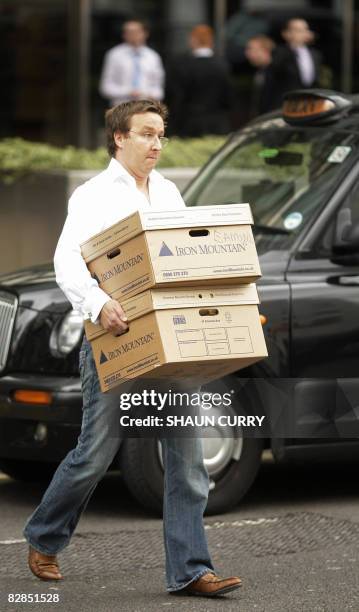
(27,471)
(232,465)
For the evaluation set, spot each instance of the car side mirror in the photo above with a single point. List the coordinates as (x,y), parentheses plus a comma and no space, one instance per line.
(346,241)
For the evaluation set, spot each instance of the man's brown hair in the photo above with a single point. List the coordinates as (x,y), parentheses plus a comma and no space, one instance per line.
(203,35)
(117,119)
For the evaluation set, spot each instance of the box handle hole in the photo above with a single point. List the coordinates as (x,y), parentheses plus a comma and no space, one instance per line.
(113,253)
(198,232)
(123,333)
(208,312)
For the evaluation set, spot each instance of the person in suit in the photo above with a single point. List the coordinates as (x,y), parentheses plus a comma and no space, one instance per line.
(258,52)
(294,65)
(199,90)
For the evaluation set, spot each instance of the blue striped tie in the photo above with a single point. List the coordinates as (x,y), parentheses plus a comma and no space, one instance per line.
(136,74)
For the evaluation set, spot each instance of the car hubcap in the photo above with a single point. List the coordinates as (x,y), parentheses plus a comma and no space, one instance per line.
(221,446)
(219,452)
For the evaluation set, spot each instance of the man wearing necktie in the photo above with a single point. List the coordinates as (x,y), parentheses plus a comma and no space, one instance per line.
(136,75)
(132,70)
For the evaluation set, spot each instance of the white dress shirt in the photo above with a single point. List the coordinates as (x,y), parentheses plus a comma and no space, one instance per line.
(305,65)
(93,207)
(118,76)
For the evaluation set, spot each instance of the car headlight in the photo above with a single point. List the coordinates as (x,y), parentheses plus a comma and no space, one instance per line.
(66,335)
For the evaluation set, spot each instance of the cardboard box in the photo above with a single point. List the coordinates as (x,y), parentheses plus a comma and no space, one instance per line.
(193,334)
(188,247)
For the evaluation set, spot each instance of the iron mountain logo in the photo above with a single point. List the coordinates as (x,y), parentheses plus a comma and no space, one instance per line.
(165,251)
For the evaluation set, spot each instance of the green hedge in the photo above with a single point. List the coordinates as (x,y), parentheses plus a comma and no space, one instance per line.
(19,157)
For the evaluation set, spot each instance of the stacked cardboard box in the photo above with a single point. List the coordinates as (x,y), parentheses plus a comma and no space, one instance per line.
(185,281)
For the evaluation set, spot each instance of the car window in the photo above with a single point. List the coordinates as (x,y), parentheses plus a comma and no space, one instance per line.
(287,176)
(324,243)
(352,202)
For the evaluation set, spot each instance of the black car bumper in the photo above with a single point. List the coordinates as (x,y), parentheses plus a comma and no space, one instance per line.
(39,432)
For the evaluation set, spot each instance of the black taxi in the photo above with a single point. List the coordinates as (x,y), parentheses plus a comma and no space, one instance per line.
(299,169)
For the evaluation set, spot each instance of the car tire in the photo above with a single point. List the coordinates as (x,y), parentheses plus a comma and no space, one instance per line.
(142,472)
(27,471)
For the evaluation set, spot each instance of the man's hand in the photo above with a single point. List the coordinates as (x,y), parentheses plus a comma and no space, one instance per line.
(113,318)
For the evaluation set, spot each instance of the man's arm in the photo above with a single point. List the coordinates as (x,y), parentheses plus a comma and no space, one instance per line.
(157,81)
(72,274)
(112,85)
(280,57)
(178,74)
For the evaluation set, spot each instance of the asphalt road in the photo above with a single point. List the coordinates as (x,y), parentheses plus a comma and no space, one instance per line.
(293,540)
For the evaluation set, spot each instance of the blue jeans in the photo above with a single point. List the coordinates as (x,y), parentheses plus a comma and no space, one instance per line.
(51,526)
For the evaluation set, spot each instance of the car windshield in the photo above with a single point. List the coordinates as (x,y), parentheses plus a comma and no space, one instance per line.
(286,175)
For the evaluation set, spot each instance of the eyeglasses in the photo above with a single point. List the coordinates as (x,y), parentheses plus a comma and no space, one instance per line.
(150,139)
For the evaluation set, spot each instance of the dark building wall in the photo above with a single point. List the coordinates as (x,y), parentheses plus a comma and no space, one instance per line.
(33,56)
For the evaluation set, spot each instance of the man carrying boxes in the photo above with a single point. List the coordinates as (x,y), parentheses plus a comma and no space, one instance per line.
(135,132)
(175,334)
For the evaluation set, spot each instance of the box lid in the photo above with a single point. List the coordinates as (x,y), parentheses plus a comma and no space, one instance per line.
(146,220)
(194,297)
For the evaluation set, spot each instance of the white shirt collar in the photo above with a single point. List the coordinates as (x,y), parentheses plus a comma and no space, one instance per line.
(117,171)
(131,48)
(203,52)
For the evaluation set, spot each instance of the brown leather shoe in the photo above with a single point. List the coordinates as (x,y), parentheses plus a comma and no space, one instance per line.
(44,567)
(211,585)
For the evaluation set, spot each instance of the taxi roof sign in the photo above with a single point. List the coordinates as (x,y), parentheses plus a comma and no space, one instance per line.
(314,106)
